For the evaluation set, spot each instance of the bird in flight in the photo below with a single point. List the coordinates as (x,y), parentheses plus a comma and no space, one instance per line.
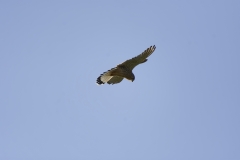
(124,70)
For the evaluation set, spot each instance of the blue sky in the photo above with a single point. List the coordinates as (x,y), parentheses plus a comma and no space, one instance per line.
(184,103)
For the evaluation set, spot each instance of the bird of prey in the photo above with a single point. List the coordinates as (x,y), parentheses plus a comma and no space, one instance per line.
(124,70)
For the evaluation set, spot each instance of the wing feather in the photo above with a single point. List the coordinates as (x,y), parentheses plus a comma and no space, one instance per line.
(109,77)
(105,77)
(141,58)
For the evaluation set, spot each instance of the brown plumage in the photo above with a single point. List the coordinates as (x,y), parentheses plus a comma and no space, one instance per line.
(124,70)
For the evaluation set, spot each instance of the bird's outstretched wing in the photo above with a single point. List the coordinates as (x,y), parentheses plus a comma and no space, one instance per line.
(105,77)
(110,77)
(141,58)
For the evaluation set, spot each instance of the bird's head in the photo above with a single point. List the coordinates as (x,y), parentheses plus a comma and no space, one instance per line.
(130,76)
(133,78)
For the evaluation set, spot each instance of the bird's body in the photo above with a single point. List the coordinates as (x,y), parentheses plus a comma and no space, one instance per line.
(124,70)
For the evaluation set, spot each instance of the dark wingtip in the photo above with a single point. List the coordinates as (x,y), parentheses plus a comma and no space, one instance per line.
(99,82)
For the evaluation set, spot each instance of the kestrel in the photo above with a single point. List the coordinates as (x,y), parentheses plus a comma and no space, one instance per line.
(124,70)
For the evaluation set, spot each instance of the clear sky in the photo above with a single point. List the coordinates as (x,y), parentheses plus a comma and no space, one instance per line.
(183,105)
